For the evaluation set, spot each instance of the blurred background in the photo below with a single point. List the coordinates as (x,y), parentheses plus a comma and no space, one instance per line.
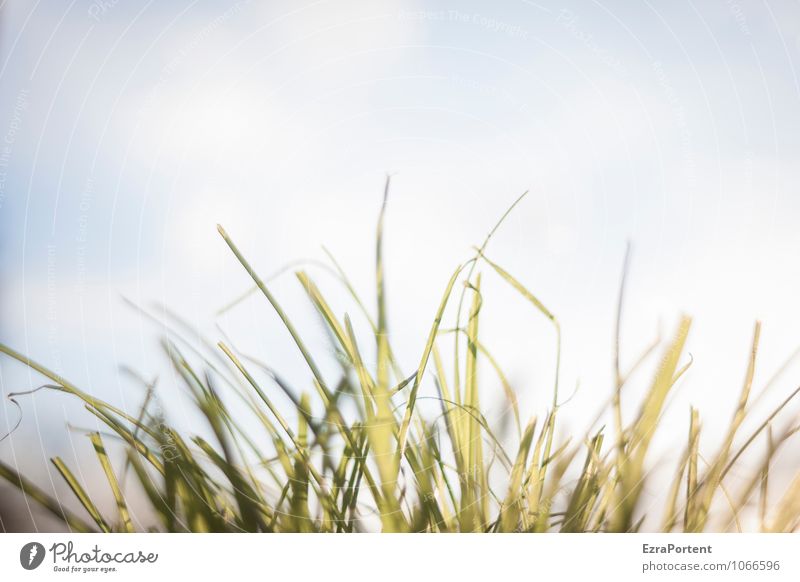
(128,130)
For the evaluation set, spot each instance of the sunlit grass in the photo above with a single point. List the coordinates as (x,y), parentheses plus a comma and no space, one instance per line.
(371,459)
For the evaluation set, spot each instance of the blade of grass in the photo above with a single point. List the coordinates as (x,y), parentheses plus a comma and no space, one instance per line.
(122,505)
(81,494)
(511,513)
(54,506)
(424,363)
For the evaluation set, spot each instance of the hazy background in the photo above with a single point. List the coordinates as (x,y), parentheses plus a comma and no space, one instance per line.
(129,129)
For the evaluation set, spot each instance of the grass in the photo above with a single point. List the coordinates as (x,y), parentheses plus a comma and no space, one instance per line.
(359,453)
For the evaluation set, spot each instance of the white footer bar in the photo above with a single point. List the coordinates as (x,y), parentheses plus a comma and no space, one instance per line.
(400,558)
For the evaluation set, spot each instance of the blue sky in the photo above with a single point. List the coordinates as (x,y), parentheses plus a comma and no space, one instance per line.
(136,128)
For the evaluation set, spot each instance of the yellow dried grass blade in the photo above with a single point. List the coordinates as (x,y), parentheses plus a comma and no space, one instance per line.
(122,506)
(279,310)
(630,467)
(327,313)
(403,434)
(712,482)
(531,298)
(787,513)
(381,334)
(54,506)
(477,472)
(381,434)
(512,506)
(691,475)
(81,494)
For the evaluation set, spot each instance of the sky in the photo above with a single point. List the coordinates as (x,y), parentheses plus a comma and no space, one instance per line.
(128,131)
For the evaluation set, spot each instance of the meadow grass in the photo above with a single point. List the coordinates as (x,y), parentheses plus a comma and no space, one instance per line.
(372,459)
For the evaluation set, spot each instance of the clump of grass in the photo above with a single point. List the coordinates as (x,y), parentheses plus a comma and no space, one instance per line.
(369,458)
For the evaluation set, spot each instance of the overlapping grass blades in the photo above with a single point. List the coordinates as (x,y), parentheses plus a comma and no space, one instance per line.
(358,452)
